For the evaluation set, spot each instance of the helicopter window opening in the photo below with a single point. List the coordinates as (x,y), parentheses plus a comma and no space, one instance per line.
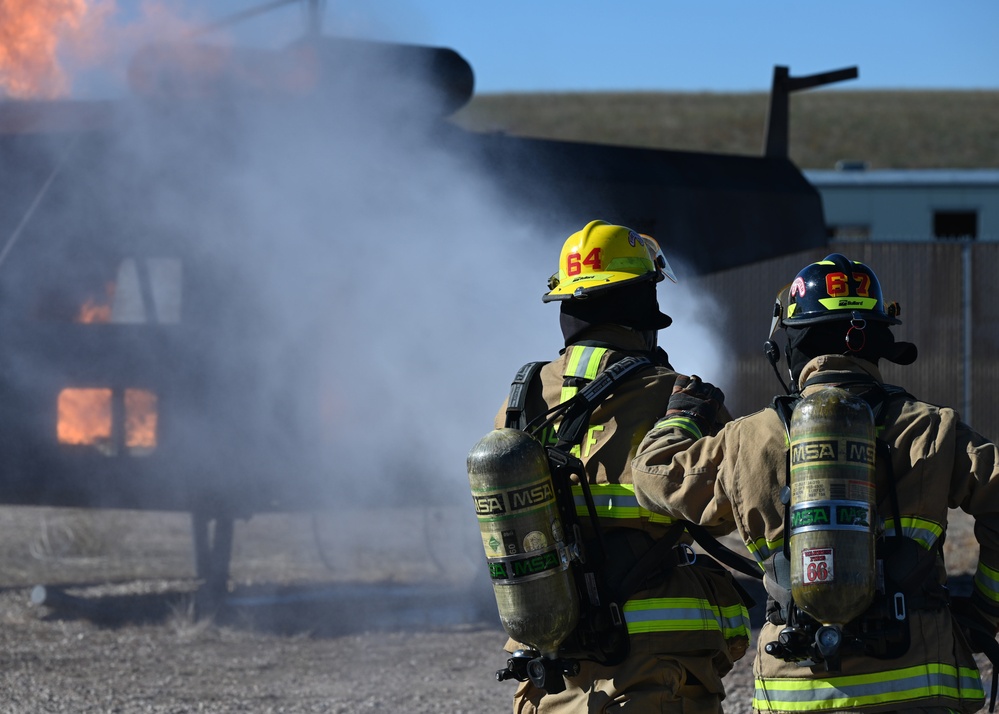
(86,417)
(137,291)
(147,290)
(165,286)
(128,305)
(141,420)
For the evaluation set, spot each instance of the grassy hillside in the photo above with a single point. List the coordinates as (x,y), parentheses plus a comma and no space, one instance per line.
(888,129)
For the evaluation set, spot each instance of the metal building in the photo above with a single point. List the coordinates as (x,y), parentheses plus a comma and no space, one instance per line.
(908,205)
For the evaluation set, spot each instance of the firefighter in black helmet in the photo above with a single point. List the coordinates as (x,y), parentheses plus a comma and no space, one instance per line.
(686,623)
(909,650)
(836,306)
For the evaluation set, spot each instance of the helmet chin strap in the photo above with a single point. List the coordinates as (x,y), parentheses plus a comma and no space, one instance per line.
(773,357)
(855,336)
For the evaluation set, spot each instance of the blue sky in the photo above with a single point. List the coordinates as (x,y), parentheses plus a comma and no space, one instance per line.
(710,45)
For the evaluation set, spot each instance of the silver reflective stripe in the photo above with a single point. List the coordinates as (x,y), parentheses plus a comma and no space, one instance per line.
(615,500)
(584,361)
(921,530)
(848,692)
(761,550)
(685,614)
(987,582)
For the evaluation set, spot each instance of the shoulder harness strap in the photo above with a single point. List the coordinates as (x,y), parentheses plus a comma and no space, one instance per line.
(784,406)
(578,409)
(515,418)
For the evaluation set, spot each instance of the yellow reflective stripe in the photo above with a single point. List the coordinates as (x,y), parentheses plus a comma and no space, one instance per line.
(584,361)
(761,549)
(850,692)
(686,424)
(615,500)
(921,530)
(685,614)
(987,582)
(849,302)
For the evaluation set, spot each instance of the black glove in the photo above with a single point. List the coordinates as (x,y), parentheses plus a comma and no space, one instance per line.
(695,400)
(977,629)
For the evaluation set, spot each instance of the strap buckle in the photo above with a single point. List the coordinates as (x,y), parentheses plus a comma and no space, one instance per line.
(685,554)
(899,606)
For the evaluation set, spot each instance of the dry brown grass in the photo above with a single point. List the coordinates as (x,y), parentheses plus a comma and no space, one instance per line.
(888,129)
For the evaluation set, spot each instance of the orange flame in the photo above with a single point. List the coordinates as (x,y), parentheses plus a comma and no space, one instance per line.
(93,311)
(140,419)
(85,417)
(30,31)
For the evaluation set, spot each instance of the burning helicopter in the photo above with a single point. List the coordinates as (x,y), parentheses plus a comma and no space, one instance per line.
(115,301)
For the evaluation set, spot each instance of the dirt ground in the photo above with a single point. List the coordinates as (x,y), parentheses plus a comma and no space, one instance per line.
(338,612)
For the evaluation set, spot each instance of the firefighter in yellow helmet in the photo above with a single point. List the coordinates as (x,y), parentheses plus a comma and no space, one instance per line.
(686,623)
(911,647)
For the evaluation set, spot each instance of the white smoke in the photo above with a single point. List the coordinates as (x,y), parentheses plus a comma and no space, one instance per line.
(694,342)
(385,286)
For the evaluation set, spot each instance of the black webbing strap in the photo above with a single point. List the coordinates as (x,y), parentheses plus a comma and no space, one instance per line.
(876,394)
(784,406)
(576,418)
(652,559)
(723,555)
(515,418)
(983,641)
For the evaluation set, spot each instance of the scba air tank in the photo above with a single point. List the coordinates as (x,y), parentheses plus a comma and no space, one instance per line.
(523,539)
(832,506)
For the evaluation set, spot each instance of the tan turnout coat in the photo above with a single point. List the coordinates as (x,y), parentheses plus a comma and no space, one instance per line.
(732,480)
(684,634)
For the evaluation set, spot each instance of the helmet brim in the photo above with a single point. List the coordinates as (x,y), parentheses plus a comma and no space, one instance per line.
(590,283)
(839,316)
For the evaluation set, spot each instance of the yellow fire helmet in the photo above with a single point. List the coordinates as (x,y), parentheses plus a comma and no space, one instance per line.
(604,256)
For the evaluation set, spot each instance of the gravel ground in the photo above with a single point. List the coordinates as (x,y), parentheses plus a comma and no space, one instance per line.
(344,612)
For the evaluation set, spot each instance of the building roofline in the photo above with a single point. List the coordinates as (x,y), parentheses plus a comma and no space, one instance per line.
(903,177)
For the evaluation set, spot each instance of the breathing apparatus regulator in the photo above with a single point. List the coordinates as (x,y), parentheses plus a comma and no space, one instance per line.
(547,577)
(828,575)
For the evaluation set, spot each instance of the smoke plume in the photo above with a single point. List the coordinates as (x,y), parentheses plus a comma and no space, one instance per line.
(370,290)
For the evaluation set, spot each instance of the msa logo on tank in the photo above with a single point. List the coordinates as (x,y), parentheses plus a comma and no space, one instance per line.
(818,564)
(829,450)
(846,514)
(505,502)
(521,567)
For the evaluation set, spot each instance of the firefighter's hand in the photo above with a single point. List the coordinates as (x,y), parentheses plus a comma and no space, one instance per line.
(695,400)
(977,629)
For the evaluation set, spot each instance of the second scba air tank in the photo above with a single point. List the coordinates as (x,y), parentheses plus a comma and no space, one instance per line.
(832,507)
(523,539)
